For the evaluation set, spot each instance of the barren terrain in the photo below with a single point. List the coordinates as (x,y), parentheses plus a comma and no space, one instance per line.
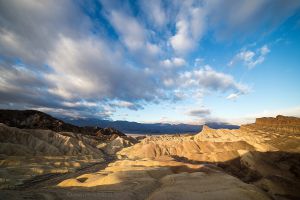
(257,161)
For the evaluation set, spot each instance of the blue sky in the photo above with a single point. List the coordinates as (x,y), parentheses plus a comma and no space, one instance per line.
(151,61)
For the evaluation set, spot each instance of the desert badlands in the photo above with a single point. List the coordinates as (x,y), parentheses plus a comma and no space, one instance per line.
(149,99)
(256,161)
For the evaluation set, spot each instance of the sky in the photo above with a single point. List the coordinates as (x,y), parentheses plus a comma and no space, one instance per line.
(151,61)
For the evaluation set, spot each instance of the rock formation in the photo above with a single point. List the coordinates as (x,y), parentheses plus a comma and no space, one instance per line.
(257,161)
(266,153)
(26,153)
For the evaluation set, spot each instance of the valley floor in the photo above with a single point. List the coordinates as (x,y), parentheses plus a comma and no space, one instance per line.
(161,178)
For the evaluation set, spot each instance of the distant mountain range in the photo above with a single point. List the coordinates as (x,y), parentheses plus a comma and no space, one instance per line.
(147,128)
(35,119)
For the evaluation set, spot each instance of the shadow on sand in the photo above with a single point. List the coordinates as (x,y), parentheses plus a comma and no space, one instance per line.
(277,173)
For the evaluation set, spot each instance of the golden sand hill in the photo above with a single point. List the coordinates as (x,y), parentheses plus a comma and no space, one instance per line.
(266,153)
(257,161)
(26,153)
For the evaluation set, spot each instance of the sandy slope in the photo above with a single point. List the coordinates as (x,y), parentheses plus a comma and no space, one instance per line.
(266,154)
(26,153)
(257,161)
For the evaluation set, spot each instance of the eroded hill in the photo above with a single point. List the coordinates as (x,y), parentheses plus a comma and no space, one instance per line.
(266,153)
(257,161)
(27,153)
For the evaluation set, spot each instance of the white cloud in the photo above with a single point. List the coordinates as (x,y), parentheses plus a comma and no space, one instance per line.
(246,56)
(225,20)
(153,49)
(233,96)
(264,50)
(75,63)
(29,29)
(190,27)
(80,103)
(210,79)
(71,60)
(90,69)
(198,24)
(194,84)
(179,61)
(132,32)
(181,41)
(250,58)
(135,36)
(64,65)
(174,62)
(154,11)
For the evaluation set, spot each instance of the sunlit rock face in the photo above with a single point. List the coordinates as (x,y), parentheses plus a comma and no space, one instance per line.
(278,121)
(266,153)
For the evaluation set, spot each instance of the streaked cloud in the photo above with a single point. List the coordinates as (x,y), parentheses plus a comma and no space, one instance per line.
(125,104)
(250,58)
(232,96)
(154,12)
(97,57)
(236,19)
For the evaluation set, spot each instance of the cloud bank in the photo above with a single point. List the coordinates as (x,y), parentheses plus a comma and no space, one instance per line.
(62,57)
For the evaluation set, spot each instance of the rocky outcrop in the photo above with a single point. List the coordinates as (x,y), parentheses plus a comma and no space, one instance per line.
(279,120)
(266,153)
(280,123)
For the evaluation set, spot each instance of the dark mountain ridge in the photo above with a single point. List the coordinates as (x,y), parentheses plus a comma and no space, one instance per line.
(33,119)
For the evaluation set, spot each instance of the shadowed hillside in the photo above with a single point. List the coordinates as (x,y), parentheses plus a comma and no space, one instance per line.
(256,161)
(33,119)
